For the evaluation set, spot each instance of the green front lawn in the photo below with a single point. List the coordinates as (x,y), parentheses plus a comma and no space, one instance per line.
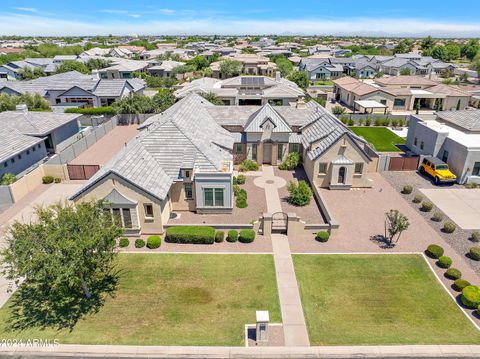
(382,139)
(175,299)
(378,300)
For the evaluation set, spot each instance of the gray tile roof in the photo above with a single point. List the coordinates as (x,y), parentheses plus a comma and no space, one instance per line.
(266,114)
(14,142)
(184,136)
(467,119)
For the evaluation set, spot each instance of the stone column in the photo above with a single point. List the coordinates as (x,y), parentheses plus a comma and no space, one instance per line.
(267,224)
(260,153)
(274,154)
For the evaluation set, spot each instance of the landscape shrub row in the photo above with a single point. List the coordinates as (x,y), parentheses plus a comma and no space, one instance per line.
(190,235)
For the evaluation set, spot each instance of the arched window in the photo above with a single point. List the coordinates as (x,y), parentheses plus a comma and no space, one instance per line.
(341,175)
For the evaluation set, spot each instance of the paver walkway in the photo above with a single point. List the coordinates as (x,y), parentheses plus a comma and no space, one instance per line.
(294,327)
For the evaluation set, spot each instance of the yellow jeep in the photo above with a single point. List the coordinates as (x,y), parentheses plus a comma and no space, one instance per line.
(437,169)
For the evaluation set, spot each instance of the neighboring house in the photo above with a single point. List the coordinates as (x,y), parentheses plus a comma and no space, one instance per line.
(28,137)
(182,162)
(453,137)
(321,69)
(400,93)
(10,71)
(164,69)
(124,69)
(247,90)
(74,88)
(251,65)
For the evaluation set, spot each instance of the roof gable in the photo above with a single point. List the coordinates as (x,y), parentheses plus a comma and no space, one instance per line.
(258,121)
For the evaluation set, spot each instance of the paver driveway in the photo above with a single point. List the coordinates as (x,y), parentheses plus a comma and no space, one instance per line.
(461,205)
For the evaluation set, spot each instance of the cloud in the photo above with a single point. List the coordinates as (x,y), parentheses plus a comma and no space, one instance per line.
(22,24)
(136,16)
(26,9)
(166,11)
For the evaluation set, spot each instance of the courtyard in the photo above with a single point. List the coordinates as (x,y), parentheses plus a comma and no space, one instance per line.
(174,299)
(382,139)
(377,300)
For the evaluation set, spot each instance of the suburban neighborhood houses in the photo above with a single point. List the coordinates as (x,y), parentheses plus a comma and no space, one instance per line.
(216,180)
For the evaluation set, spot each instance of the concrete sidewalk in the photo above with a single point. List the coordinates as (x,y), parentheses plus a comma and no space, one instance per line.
(128,351)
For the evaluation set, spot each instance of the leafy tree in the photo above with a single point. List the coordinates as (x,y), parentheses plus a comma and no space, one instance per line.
(28,73)
(427,45)
(405,71)
(163,99)
(403,46)
(136,104)
(338,110)
(452,52)
(97,64)
(471,49)
(438,52)
(211,97)
(33,102)
(230,68)
(300,193)
(284,65)
(395,224)
(66,259)
(8,178)
(248,50)
(67,66)
(199,62)
(300,78)
(182,69)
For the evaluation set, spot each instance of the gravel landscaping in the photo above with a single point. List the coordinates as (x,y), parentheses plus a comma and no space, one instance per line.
(459,240)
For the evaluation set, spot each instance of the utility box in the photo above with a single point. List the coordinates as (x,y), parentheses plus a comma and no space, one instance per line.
(263,319)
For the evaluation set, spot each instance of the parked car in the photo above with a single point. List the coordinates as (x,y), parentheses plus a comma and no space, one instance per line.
(437,169)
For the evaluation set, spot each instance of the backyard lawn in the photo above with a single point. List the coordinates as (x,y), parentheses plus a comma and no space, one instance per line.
(377,300)
(175,299)
(381,138)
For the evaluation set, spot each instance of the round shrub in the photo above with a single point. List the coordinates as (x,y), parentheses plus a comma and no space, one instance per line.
(437,217)
(407,189)
(154,242)
(57,180)
(47,179)
(246,236)
(444,262)
(418,198)
(426,206)
(322,236)
(241,179)
(248,165)
(474,253)
(459,284)
(139,243)
(300,193)
(449,227)
(471,296)
(453,274)
(219,236)
(124,242)
(475,237)
(232,236)
(434,251)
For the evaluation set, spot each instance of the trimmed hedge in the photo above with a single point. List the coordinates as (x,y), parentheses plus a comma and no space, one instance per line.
(106,110)
(219,236)
(190,235)
(474,253)
(322,236)
(124,242)
(471,296)
(434,251)
(459,284)
(241,179)
(444,262)
(232,236)
(154,242)
(407,189)
(246,236)
(241,198)
(47,179)
(139,243)
(449,227)
(453,274)
(426,206)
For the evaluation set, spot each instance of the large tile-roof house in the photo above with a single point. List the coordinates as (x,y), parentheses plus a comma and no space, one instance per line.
(74,88)
(247,90)
(252,64)
(28,137)
(452,136)
(182,160)
(400,93)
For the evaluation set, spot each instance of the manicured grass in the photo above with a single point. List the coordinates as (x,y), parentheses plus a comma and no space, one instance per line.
(175,299)
(378,299)
(381,138)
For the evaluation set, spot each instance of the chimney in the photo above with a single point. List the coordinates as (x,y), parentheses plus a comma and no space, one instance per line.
(21,108)
(277,76)
(95,74)
(300,104)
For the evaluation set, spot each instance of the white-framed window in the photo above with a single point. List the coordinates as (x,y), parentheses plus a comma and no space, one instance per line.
(322,168)
(148,207)
(188,190)
(213,197)
(358,168)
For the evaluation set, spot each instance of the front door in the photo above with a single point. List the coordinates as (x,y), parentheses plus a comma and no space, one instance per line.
(267,153)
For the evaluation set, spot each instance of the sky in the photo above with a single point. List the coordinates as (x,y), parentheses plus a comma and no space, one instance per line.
(186,17)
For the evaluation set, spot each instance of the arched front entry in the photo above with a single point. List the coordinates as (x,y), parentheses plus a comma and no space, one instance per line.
(341,175)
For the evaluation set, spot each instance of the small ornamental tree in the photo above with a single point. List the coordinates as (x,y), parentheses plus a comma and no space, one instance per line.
(395,224)
(300,193)
(66,260)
